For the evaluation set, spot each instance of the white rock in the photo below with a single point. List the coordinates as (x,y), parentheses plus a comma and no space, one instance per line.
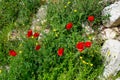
(108,33)
(88,29)
(118,79)
(114,11)
(111,52)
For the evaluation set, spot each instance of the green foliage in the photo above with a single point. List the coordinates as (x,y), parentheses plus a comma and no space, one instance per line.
(18,11)
(46,64)
(5,44)
(76,11)
(14,14)
(69,66)
(24,66)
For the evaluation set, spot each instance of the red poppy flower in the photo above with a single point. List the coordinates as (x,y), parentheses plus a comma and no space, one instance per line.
(36,35)
(29,33)
(12,53)
(80,46)
(37,47)
(88,44)
(60,51)
(91,18)
(69,26)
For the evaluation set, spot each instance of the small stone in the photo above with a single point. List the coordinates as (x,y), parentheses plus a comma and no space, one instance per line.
(14,35)
(46,30)
(88,29)
(108,33)
(38,20)
(37,28)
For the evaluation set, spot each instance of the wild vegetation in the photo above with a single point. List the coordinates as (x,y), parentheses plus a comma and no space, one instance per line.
(66,53)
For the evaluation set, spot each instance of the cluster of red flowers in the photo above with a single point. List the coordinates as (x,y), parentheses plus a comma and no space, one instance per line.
(30,33)
(70,24)
(14,53)
(36,34)
(82,45)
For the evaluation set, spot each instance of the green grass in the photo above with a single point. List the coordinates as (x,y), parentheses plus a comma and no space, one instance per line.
(18,12)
